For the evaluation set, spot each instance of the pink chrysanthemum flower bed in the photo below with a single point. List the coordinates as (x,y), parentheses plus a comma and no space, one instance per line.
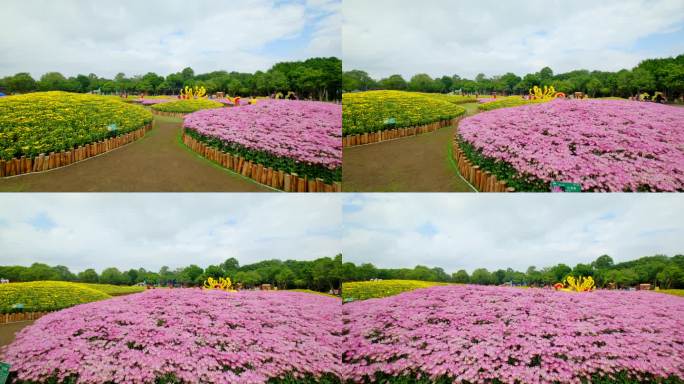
(604,145)
(304,137)
(190,334)
(479,334)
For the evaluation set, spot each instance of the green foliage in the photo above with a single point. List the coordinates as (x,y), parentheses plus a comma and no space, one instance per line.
(285,164)
(659,270)
(676,292)
(317,78)
(187,106)
(665,75)
(322,274)
(623,377)
(328,378)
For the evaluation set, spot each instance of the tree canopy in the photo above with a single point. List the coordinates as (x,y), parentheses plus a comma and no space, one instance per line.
(652,75)
(666,272)
(321,274)
(316,78)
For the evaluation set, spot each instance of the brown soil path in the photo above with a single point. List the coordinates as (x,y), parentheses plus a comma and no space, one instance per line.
(413,164)
(159,162)
(8,331)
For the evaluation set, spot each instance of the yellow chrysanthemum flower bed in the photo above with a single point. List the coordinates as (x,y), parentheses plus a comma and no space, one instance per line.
(507,102)
(311,292)
(114,290)
(45,122)
(453,99)
(39,296)
(187,105)
(362,290)
(373,111)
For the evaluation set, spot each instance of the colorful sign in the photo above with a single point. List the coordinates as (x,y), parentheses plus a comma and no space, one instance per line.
(4,372)
(560,186)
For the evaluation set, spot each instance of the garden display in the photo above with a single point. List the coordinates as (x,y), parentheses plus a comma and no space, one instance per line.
(302,137)
(362,290)
(184,335)
(184,106)
(45,122)
(46,296)
(480,334)
(373,111)
(602,145)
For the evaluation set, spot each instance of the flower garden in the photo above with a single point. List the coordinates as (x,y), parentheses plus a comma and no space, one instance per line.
(363,290)
(602,145)
(185,106)
(379,111)
(295,137)
(184,335)
(477,334)
(44,122)
(40,296)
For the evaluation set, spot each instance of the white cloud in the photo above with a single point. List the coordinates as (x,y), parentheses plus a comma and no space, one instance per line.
(479,230)
(135,37)
(444,37)
(151,230)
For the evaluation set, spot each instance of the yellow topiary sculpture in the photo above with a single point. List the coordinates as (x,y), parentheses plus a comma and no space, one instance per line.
(539,94)
(220,284)
(193,93)
(580,284)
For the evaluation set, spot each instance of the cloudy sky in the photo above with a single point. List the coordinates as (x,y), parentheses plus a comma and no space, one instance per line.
(446,37)
(164,36)
(150,230)
(455,231)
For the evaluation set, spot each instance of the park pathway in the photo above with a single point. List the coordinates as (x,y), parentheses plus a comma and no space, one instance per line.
(159,162)
(413,164)
(9,331)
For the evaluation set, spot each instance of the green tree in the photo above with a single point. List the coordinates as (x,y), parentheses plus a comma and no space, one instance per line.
(191,275)
(394,82)
(112,276)
(421,82)
(88,276)
(285,277)
(461,277)
(53,81)
(481,276)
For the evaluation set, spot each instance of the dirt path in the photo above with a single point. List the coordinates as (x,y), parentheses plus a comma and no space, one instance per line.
(159,162)
(7,331)
(414,164)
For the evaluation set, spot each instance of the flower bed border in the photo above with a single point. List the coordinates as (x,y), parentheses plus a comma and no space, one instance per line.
(277,179)
(483,181)
(45,162)
(396,133)
(16,317)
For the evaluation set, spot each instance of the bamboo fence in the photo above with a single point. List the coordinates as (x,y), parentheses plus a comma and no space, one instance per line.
(392,134)
(52,160)
(277,179)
